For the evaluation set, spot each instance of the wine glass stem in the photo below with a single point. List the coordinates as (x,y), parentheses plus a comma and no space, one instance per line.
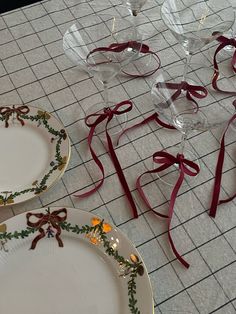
(134,18)
(183,142)
(105,93)
(188,58)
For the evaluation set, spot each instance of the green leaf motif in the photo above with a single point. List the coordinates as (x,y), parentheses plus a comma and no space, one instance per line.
(86,229)
(59,162)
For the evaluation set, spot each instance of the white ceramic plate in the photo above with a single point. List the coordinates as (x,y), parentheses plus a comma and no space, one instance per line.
(80,277)
(35,151)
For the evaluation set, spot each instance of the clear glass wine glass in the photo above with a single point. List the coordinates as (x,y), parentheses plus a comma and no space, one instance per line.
(89,43)
(145,64)
(196,23)
(134,6)
(187,112)
(227,51)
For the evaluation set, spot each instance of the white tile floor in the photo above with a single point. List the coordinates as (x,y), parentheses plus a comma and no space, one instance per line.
(35,71)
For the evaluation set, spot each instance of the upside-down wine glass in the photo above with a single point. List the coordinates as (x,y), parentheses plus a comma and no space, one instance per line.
(134,7)
(198,108)
(102,45)
(196,23)
(140,20)
(144,64)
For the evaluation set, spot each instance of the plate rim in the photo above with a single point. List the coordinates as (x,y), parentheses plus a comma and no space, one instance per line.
(90,215)
(61,173)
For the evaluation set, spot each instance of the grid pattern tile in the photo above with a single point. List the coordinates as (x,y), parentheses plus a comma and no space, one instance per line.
(35,71)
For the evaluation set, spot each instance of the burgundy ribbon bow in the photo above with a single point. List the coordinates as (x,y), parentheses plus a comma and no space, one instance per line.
(119,47)
(191,91)
(53,218)
(218,173)
(186,167)
(6,112)
(120,108)
(224,41)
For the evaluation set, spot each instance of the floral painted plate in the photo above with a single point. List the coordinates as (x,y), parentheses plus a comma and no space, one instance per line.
(64,260)
(35,151)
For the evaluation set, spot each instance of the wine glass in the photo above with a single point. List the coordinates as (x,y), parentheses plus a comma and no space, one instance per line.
(196,23)
(134,6)
(190,107)
(145,64)
(102,45)
(140,20)
(228,50)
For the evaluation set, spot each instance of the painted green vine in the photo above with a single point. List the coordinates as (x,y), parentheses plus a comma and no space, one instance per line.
(132,268)
(59,162)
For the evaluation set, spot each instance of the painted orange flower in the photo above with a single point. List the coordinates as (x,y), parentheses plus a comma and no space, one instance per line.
(105,226)
(94,236)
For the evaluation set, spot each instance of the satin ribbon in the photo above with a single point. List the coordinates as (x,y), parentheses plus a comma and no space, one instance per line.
(191,91)
(186,167)
(218,173)
(119,47)
(6,112)
(146,50)
(152,117)
(107,115)
(224,41)
(53,218)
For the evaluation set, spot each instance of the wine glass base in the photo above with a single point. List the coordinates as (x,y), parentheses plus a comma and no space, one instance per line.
(115,126)
(170,176)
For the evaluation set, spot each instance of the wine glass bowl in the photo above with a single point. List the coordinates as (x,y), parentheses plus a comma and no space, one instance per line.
(82,44)
(102,46)
(195,23)
(210,110)
(230,34)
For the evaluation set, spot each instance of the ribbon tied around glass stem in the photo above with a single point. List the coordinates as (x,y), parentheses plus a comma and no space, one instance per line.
(195,91)
(7,112)
(108,113)
(92,121)
(224,41)
(119,47)
(186,167)
(54,219)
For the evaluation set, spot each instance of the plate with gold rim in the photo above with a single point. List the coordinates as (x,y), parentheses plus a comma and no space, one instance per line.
(35,152)
(65,260)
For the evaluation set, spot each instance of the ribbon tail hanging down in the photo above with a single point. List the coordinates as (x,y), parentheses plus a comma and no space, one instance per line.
(99,118)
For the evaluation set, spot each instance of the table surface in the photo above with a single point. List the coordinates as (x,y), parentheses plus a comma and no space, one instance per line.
(35,71)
